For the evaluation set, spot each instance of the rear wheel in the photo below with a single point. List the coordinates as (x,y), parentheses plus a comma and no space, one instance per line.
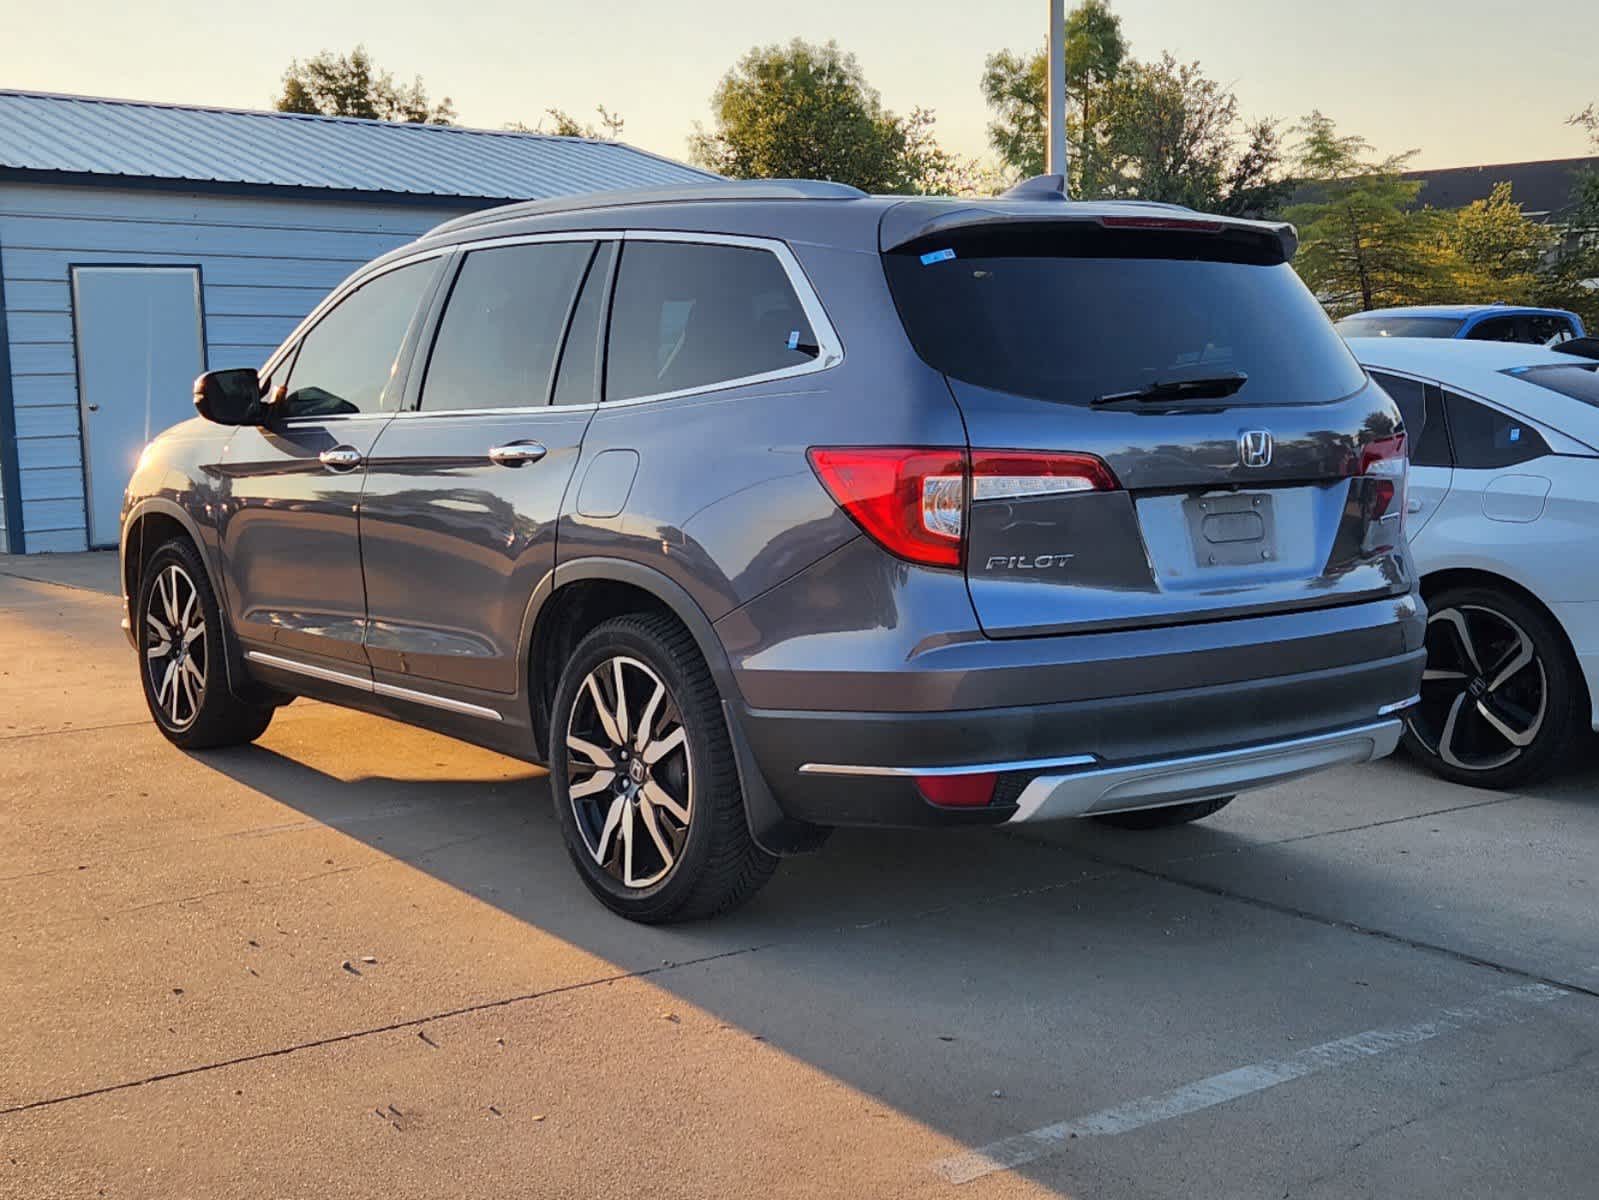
(642,771)
(1499,697)
(1164,817)
(179,636)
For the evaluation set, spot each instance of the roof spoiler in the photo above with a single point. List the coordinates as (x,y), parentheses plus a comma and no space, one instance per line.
(1043,199)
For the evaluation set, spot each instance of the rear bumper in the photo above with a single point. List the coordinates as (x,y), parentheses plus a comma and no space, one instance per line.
(1085,756)
(1133,786)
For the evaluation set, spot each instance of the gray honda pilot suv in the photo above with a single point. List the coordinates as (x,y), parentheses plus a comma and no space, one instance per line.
(757,509)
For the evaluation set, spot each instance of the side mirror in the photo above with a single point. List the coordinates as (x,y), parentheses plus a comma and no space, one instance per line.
(229,397)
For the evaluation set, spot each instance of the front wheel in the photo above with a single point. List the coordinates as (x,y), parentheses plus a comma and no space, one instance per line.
(1499,697)
(642,771)
(179,638)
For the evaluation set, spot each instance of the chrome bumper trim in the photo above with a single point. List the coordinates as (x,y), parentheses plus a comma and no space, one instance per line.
(1399,705)
(1200,776)
(1034,764)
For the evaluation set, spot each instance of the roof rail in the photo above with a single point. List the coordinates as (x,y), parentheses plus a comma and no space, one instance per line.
(732,189)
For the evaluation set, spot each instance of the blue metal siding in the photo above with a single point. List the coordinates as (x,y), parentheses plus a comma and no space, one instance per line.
(265,263)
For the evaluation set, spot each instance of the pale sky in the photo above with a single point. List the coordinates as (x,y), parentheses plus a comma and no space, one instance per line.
(1467,81)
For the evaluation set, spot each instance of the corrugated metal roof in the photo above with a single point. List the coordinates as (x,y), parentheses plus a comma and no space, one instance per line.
(144,140)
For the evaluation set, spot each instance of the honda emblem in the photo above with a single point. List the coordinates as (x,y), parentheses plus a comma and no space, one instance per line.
(1254,448)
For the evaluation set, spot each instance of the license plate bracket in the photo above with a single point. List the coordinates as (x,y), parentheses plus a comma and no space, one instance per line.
(1229,529)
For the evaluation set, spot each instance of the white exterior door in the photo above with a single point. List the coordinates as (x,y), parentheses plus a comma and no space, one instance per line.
(140,344)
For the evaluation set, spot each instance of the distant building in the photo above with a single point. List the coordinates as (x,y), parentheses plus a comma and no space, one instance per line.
(1543,189)
(143,243)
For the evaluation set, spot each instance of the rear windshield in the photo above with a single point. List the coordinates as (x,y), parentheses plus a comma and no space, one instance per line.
(1580,381)
(1078,315)
(1436,327)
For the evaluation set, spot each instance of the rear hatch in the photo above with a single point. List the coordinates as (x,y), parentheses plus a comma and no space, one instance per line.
(1249,465)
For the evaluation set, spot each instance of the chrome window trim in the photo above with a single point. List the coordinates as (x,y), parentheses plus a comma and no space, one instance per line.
(830,349)
(1032,764)
(372,686)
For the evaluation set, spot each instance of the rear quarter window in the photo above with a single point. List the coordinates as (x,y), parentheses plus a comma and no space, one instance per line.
(1486,438)
(690,315)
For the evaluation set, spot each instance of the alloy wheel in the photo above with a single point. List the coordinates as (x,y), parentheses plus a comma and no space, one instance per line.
(629,774)
(175,653)
(1484,694)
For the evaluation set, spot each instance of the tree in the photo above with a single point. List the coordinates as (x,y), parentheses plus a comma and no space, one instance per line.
(1173,136)
(564,124)
(1360,245)
(806,111)
(1016,88)
(1569,277)
(348,85)
(1160,130)
(1493,251)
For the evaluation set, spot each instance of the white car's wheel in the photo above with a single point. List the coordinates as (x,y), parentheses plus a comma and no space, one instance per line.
(1500,694)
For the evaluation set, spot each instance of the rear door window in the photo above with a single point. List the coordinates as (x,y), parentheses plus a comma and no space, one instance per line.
(347,362)
(502,326)
(689,315)
(577,378)
(1072,315)
(1495,329)
(1432,448)
(1487,438)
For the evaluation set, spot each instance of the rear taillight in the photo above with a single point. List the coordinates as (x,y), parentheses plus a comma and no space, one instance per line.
(1386,462)
(1018,474)
(912,500)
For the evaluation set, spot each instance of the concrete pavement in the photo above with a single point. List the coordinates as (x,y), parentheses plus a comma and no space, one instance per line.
(1368,983)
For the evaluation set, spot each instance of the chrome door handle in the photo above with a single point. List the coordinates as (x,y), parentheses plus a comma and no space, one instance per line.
(514,454)
(340,458)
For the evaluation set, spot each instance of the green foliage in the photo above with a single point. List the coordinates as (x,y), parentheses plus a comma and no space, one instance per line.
(1570,276)
(348,85)
(1160,130)
(1360,245)
(1492,251)
(564,124)
(804,111)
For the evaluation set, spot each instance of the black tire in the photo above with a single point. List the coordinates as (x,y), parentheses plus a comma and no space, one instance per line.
(1542,700)
(186,687)
(714,864)
(1166,816)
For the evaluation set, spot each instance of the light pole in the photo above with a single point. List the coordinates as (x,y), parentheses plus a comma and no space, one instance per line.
(1055,161)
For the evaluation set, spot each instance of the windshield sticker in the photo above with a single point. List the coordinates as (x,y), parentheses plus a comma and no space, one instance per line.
(937,256)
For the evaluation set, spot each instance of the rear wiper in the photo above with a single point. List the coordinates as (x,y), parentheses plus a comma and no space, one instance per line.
(1203,387)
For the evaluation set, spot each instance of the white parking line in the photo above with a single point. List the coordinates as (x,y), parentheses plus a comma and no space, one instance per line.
(1505,1006)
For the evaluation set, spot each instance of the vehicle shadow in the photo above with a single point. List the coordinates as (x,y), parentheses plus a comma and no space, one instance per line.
(932,970)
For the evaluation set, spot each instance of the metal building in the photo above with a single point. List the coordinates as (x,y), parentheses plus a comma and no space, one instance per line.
(142,243)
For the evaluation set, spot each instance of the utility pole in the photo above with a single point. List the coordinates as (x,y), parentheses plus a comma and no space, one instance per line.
(1055,160)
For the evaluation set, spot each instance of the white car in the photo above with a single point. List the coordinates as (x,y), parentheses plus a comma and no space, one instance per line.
(1503,516)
